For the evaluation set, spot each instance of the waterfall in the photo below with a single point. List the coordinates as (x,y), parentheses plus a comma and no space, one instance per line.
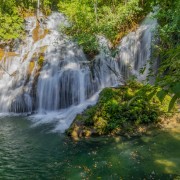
(49,74)
(134,50)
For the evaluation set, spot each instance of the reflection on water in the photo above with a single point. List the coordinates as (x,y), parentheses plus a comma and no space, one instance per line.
(28,152)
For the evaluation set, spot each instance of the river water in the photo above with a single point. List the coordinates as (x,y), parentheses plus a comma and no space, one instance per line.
(28,152)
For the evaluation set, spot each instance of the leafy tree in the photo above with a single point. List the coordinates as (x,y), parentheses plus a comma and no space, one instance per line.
(168,49)
(112,19)
(10,22)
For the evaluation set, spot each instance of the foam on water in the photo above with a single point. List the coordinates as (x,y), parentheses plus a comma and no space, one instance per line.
(64,117)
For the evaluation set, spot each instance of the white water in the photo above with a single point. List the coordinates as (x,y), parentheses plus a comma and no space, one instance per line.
(134,51)
(67,83)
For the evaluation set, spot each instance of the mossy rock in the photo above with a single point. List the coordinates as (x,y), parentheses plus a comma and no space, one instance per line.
(122,109)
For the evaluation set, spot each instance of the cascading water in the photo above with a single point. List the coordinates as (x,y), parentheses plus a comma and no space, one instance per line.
(51,76)
(134,51)
(14,87)
(66,84)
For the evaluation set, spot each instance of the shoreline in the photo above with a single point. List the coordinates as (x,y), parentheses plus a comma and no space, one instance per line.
(78,131)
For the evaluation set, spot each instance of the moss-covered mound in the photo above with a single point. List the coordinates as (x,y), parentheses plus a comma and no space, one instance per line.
(120,110)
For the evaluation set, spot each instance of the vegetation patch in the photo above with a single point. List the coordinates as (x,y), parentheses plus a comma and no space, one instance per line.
(112,19)
(167,50)
(121,110)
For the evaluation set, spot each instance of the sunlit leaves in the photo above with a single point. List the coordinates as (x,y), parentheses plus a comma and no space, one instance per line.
(98,17)
(168,77)
(11,26)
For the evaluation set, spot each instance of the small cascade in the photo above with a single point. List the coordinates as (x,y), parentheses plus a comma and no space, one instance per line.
(66,78)
(134,51)
(50,75)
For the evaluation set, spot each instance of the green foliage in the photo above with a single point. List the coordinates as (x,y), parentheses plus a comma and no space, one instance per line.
(161,94)
(169,23)
(10,22)
(88,18)
(11,15)
(98,17)
(168,49)
(168,75)
(119,107)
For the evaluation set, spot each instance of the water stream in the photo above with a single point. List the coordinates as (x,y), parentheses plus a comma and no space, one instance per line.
(50,76)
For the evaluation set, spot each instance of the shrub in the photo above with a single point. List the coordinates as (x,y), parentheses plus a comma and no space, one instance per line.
(124,106)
